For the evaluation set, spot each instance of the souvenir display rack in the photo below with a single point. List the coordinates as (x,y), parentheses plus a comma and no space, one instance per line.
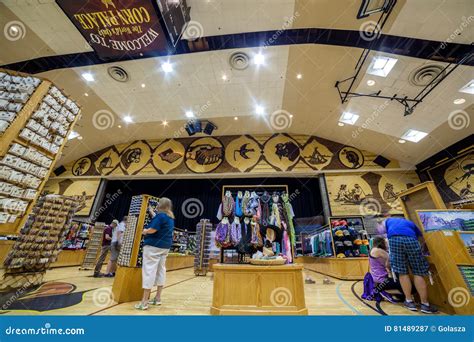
(203,243)
(447,251)
(77,236)
(241,240)
(35,119)
(350,238)
(93,246)
(40,241)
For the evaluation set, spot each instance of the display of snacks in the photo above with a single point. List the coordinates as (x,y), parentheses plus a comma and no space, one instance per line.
(42,237)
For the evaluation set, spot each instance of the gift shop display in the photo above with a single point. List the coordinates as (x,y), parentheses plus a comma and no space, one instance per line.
(350,237)
(35,120)
(127,282)
(256,221)
(446,234)
(93,246)
(203,244)
(40,241)
(77,236)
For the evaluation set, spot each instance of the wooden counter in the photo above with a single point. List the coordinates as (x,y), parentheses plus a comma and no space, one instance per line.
(340,268)
(69,257)
(258,290)
(127,285)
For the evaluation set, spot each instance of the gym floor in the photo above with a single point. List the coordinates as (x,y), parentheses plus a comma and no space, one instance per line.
(68,291)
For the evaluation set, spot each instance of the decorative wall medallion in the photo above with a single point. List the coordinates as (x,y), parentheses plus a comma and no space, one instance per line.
(107,162)
(351,157)
(81,166)
(135,157)
(316,155)
(204,155)
(458,177)
(243,153)
(168,155)
(282,152)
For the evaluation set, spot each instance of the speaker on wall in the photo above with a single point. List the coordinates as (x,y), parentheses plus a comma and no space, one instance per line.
(60,170)
(381,161)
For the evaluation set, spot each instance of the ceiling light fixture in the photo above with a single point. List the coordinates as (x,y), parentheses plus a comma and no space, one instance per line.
(370,83)
(259,59)
(459,101)
(236,118)
(414,135)
(259,110)
(224,77)
(143,85)
(349,118)
(128,119)
(119,126)
(189,114)
(79,137)
(468,88)
(88,76)
(164,123)
(381,66)
(299,76)
(73,135)
(85,94)
(167,67)
(340,124)
(401,141)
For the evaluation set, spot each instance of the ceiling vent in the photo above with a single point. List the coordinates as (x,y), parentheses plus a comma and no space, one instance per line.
(239,60)
(119,74)
(425,74)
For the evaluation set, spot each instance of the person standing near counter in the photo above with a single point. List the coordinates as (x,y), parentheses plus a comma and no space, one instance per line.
(106,240)
(405,254)
(116,244)
(156,245)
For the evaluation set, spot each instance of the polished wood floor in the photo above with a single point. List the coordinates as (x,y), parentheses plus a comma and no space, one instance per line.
(186,294)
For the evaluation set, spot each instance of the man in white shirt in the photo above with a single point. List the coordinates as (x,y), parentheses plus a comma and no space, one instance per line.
(116,244)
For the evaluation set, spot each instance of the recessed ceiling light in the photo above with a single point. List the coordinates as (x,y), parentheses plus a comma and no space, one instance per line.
(128,119)
(73,135)
(167,67)
(164,123)
(259,110)
(381,66)
(414,135)
(88,76)
(143,85)
(459,101)
(370,83)
(79,137)
(468,88)
(236,118)
(340,124)
(299,76)
(85,94)
(224,77)
(291,115)
(119,126)
(14,29)
(401,141)
(349,118)
(189,114)
(259,59)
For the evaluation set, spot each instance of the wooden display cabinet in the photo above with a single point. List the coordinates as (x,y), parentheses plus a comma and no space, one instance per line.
(447,252)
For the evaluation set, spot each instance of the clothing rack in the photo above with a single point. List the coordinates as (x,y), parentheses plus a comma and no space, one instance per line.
(259,189)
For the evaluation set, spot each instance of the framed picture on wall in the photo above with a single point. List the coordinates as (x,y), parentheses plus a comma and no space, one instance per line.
(435,220)
(468,240)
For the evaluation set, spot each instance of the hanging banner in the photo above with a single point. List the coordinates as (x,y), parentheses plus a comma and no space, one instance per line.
(114,28)
(175,14)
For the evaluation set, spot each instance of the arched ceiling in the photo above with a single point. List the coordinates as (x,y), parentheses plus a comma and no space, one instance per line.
(52,45)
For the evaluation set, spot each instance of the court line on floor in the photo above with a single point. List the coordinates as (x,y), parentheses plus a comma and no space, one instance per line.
(377,309)
(112,306)
(338,292)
